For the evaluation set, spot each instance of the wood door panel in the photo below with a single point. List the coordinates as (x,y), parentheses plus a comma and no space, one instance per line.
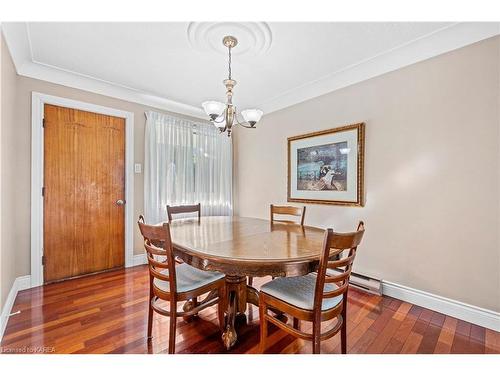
(84,175)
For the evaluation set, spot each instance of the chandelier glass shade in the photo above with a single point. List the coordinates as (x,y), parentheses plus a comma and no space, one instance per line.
(213,109)
(225,115)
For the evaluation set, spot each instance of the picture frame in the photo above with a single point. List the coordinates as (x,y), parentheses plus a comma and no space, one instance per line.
(327,166)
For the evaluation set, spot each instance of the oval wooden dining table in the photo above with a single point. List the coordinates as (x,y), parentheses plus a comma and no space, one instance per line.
(240,247)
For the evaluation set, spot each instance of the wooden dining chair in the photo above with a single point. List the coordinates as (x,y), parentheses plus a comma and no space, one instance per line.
(173,282)
(316,297)
(174,210)
(284,210)
(289,211)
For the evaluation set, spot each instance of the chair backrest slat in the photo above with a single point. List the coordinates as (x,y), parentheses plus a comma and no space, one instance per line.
(341,263)
(334,279)
(334,257)
(287,210)
(158,275)
(152,249)
(337,292)
(158,244)
(174,210)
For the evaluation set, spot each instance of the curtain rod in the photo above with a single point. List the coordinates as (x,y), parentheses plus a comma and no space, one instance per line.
(180,117)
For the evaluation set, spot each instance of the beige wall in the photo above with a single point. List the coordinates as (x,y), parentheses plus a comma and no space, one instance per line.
(8,234)
(18,152)
(431,174)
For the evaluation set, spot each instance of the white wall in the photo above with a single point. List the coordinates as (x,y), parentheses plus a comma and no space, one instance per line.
(431,171)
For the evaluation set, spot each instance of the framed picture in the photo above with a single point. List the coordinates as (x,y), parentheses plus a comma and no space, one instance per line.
(326,167)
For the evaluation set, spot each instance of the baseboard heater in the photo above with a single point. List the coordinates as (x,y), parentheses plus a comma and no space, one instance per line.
(365,283)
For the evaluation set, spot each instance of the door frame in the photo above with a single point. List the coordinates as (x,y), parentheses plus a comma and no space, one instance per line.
(38,101)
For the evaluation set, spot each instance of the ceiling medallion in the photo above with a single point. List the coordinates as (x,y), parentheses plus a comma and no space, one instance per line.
(255,38)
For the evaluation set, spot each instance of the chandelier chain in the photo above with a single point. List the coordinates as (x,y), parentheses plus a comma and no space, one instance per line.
(229,62)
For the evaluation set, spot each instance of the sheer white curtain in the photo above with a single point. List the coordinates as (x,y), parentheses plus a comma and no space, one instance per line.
(186,163)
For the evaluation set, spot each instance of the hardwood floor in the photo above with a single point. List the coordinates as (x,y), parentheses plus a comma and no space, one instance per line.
(107,313)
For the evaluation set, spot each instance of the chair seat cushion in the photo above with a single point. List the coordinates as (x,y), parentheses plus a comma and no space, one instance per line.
(299,291)
(188,278)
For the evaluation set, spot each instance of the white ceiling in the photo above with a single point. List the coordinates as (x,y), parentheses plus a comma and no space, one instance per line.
(177,66)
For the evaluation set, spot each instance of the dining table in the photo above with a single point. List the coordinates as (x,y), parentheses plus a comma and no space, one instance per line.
(242,247)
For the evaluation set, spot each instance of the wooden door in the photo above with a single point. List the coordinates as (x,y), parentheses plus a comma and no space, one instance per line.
(84,177)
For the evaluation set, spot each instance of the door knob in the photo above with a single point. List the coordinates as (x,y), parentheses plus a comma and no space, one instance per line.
(120,202)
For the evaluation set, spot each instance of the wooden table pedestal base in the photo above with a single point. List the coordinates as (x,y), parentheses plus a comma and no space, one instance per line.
(238,294)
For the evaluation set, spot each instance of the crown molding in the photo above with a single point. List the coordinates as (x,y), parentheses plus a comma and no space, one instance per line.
(18,41)
(452,37)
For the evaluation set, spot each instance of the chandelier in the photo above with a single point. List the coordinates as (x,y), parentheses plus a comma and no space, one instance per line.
(225,115)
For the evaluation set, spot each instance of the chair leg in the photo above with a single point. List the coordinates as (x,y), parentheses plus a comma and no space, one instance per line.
(317,347)
(296,323)
(150,311)
(316,338)
(343,330)
(195,303)
(263,325)
(173,326)
(150,321)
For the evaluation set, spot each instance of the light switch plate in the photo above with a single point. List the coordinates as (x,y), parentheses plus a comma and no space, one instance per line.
(138,168)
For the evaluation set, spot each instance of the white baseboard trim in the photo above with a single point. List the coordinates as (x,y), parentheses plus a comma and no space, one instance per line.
(20,283)
(24,282)
(139,259)
(473,314)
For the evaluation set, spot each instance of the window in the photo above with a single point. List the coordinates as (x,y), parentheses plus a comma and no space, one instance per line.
(186,163)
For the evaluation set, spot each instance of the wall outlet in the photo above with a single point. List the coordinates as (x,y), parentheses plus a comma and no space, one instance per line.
(138,168)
